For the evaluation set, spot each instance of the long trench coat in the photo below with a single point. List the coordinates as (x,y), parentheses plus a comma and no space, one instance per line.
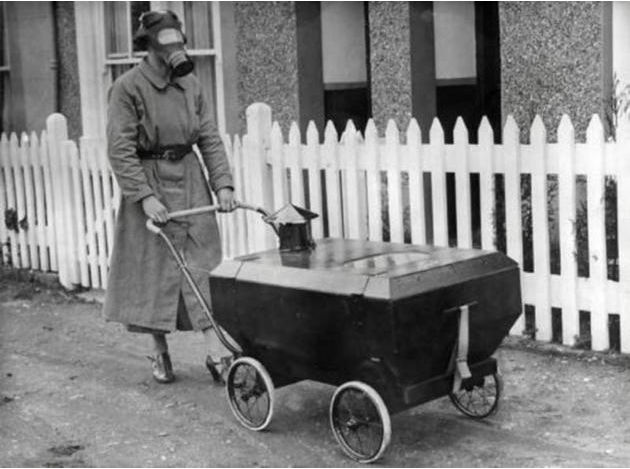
(146,290)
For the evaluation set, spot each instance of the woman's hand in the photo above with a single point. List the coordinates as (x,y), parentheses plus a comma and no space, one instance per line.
(154,209)
(226,200)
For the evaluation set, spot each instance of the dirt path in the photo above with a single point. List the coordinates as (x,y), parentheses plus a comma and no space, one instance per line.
(75,391)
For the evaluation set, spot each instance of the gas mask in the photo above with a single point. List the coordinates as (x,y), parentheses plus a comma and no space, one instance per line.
(163,31)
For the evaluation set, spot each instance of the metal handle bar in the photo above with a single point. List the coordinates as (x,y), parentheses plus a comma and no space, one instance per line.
(151,226)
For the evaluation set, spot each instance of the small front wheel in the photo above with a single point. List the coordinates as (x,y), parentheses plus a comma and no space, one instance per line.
(250,393)
(478,398)
(360,421)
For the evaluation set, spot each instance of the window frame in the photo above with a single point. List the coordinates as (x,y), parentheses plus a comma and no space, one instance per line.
(95,64)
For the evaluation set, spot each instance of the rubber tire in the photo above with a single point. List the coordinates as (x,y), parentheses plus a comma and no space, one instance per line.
(267,382)
(381,408)
(498,382)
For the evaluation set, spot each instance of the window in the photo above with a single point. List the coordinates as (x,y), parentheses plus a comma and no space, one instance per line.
(200,23)
(5,93)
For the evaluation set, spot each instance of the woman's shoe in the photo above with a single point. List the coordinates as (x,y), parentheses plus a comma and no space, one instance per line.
(162,368)
(219,369)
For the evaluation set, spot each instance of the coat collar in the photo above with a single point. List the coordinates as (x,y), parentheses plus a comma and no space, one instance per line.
(155,79)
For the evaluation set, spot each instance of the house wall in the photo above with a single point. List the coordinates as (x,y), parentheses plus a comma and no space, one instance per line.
(390,63)
(31,60)
(266,55)
(621,41)
(555,59)
(68,86)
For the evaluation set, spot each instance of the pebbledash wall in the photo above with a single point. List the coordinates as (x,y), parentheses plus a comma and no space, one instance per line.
(556,57)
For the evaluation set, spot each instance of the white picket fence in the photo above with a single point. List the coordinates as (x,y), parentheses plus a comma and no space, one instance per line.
(69,198)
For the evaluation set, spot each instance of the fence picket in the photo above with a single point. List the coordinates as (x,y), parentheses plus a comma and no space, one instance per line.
(354,217)
(540,224)
(294,155)
(333,197)
(597,234)
(278,173)
(29,201)
(567,216)
(7,201)
(51,230)
(394,183)
(241,220)
(20,204)
(486,184)
(78,220)
(373,183)
(438,184)
(416,183)
(512,181)
(313,159)
(462,185)
(87,155)
(38,186)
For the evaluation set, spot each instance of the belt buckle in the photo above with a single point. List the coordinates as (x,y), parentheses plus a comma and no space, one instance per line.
(169,155)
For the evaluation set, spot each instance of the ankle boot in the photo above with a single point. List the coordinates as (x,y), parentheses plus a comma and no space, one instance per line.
(162,368)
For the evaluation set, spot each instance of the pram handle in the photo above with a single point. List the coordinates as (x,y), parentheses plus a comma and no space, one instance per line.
(152,227)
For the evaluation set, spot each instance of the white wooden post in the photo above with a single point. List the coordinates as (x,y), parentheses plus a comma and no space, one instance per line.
(438,184)
(40,197)
(416,183)
(486,184)
(462,188)
(373,182)
(597,234)
(513,222)
(258,143)
(567,218)
(394,186)
(540,228)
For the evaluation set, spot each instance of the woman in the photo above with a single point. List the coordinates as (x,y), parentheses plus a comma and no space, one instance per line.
(157,111)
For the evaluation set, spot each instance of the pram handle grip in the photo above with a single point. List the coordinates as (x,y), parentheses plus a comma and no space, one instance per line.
(151,226)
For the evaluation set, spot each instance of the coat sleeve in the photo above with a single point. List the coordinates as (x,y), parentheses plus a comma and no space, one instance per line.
(122,140)
(212,149)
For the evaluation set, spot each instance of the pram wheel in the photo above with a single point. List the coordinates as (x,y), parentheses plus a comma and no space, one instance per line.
(478,398)
(360,421)
(250,393)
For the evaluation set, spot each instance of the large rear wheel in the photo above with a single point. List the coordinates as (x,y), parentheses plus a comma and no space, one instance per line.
(250,393)
(360,421)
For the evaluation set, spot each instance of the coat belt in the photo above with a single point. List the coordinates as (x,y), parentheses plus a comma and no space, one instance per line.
(168,152)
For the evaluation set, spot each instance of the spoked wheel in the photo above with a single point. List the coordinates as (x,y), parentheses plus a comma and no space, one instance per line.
(360,421)
(250,393)
(478,398)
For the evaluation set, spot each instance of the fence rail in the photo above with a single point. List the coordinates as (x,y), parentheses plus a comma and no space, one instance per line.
(550,206)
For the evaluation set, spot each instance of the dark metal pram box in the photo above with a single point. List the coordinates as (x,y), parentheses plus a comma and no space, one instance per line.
(389,315)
